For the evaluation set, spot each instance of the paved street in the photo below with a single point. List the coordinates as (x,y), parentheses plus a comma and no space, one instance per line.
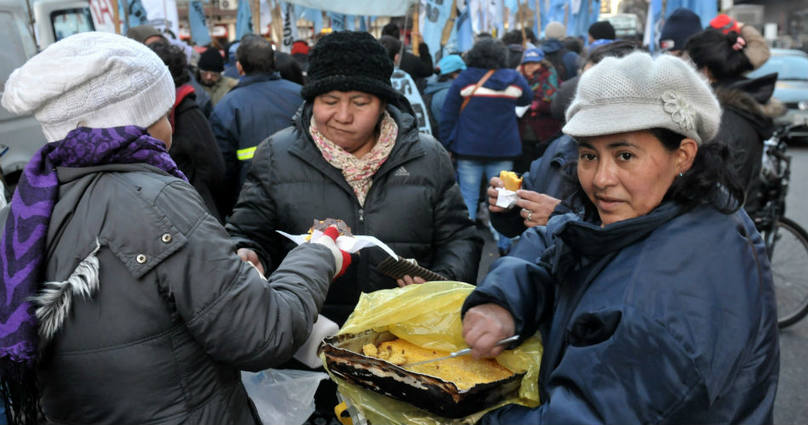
(791,406)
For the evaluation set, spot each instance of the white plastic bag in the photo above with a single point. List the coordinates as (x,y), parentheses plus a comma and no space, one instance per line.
(283,396)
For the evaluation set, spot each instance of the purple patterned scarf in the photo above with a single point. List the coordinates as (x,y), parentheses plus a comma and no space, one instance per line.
(22,258)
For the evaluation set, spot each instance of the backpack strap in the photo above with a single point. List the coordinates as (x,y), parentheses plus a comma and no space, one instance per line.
(477,86)
(182,92)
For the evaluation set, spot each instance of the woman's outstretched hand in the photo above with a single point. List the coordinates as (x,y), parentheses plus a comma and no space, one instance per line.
(483,326)
(251,257)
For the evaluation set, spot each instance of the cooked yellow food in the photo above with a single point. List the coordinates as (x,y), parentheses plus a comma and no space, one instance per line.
(370,350)
(464,371)
(510,180)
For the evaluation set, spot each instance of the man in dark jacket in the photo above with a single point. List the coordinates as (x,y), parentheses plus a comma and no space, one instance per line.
(209,72)
(261,104)
(419,67)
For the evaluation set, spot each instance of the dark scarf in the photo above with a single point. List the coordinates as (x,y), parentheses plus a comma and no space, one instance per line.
(23,243)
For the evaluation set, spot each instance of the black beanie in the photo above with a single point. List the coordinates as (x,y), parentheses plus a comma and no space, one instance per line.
(211,60)
(602,30)
(347,61)
(680,26)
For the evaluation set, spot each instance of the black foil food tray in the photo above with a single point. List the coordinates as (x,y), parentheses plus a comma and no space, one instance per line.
(344,359)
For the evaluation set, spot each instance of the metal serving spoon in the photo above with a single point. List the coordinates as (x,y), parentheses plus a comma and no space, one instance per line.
(461,352)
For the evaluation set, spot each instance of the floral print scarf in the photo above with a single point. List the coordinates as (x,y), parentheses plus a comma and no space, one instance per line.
(358,172)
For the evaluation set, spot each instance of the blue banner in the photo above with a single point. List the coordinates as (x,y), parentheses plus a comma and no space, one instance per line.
(337,21)
(653,25)
(137,14)
(435,15)
(196,18)
(463,34)
(578,23)
(315,16)
(243,19)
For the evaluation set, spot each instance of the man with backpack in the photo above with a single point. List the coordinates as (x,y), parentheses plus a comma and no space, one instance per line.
(564,61)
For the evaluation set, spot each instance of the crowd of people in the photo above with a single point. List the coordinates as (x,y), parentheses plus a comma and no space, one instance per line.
(143,268)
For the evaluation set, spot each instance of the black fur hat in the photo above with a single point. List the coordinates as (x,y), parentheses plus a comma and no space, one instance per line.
(347,61)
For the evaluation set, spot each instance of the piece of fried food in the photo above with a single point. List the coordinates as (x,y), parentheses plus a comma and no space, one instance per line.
(464,371)
(511,180)
(321,225)
(370,350)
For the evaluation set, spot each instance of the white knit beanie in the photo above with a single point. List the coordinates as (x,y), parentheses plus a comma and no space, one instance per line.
(555,30)
(91,79)
(638,92)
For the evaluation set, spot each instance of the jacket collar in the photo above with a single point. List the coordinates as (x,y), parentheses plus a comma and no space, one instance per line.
(406,148)
(573,235)
(259,77)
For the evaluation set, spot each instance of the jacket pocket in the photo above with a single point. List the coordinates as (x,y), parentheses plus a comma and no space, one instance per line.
(593,328)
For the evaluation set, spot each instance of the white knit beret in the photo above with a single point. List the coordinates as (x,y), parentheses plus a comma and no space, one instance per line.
(638,92)
(91,79)
(555,30)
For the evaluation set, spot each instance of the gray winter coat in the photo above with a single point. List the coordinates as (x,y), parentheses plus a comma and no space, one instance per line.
(177,314)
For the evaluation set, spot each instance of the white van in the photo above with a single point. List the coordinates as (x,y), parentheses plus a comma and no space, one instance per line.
(27,26)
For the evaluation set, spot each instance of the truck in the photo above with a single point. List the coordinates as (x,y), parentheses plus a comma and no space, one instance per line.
(28,27)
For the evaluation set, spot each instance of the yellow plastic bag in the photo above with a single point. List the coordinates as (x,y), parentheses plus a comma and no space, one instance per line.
(428,315)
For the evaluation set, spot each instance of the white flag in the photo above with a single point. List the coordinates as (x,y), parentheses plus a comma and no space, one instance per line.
(289,26)
(163,15)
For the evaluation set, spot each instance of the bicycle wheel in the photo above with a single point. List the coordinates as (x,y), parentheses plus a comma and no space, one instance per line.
(789,262)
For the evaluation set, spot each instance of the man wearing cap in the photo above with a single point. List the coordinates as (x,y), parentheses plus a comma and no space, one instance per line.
(261,104)
(755,47)
(146,34)
(680,26)
(435,93)
(601,30)
(300,51)
(210,68)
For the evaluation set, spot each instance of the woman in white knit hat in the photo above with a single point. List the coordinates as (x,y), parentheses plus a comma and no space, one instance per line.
(655,301)
(123,299)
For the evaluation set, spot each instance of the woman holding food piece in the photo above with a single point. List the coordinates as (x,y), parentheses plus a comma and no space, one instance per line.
(125,301)
(656,303)
(354,153)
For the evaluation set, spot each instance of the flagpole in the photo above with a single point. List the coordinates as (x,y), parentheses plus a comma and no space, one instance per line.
(256,16)
(521,18)
(416,28)
(538,19)
(448,26)
(116,15)
(404,30)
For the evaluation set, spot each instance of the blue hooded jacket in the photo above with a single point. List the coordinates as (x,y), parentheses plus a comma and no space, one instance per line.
(488,127)
(665,318)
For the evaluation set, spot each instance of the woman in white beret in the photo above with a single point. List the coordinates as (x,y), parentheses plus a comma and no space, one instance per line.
(123,299)
(655,302)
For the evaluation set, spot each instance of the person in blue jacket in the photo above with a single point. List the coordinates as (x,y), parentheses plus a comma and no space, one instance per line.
(261,104)
(483,132)
(655,304)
